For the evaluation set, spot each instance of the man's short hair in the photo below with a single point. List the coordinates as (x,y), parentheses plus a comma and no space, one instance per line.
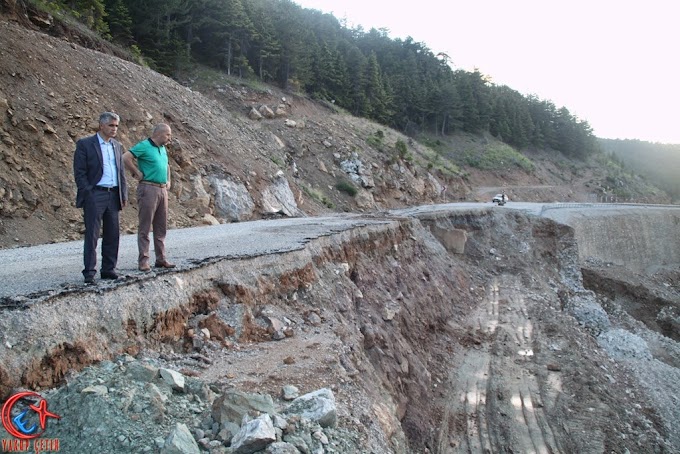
(160,127)
(108,116)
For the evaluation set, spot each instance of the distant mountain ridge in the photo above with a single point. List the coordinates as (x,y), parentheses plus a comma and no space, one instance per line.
(658,162)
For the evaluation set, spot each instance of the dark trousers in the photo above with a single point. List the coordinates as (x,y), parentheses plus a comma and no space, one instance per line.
(101,209)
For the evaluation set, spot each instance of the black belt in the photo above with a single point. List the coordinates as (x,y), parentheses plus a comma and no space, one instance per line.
(104,188)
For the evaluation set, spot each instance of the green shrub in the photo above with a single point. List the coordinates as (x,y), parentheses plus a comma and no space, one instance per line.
(318,196)
(374,142)
(438,162)
(401,148)
(346,187)
(498,157)
(430,142)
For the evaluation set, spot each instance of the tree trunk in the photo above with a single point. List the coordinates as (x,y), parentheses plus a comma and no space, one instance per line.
(228,57)
(286,73)
(190,38)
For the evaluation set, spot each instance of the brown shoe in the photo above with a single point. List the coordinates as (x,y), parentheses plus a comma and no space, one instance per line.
(165,264)
(144,268)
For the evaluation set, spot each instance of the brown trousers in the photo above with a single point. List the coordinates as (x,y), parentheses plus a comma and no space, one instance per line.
(152,203)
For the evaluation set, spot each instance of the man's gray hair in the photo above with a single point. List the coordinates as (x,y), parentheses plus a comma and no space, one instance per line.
(108,116)
(160,127)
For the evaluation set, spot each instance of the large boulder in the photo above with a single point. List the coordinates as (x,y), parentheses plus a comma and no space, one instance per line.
(232,200)
(235,404)
(278,198)
(180,441)
(318,406)
(357,171)
(254,436)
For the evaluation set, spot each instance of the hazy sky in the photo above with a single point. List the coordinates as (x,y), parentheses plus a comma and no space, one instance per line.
(615,64)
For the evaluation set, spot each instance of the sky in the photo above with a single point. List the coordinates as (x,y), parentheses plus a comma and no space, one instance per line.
(614,64)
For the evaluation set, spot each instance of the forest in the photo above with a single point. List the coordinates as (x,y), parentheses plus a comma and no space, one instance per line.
(399,83)
(657,161)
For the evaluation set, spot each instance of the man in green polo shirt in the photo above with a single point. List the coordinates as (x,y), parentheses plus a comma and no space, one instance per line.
(148,163)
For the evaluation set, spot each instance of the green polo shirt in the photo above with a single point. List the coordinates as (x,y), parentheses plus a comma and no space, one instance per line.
(152,161)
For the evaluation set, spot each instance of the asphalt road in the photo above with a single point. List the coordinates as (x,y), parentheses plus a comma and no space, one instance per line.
(39,271)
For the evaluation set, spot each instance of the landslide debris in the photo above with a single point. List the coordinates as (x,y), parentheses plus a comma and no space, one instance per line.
(453,332)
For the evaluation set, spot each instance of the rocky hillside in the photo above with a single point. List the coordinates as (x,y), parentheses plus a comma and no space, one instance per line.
(238,153)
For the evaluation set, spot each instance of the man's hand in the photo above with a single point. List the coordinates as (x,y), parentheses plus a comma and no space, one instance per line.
(131,164)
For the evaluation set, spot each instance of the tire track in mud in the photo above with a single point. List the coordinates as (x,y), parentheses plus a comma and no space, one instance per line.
(493,402)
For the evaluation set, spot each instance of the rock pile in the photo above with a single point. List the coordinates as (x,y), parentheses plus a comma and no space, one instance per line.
(131,405)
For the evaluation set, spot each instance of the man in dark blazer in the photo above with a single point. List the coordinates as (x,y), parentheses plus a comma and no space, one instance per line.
(102,193)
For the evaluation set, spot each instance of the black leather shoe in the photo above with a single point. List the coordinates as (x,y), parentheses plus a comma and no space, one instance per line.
(109,275)
(89,279)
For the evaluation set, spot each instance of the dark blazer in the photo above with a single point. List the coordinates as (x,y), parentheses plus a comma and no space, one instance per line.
(88,168)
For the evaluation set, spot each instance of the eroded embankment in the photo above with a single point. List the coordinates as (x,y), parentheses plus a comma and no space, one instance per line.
(651,299)
(631,255)
(387,291)
(69,331)
(639,238)
(396,318)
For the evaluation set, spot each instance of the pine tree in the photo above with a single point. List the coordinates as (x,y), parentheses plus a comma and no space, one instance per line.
(266,48)
(119,22)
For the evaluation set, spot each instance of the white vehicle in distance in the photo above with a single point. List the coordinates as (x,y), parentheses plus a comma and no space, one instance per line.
(500,199)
